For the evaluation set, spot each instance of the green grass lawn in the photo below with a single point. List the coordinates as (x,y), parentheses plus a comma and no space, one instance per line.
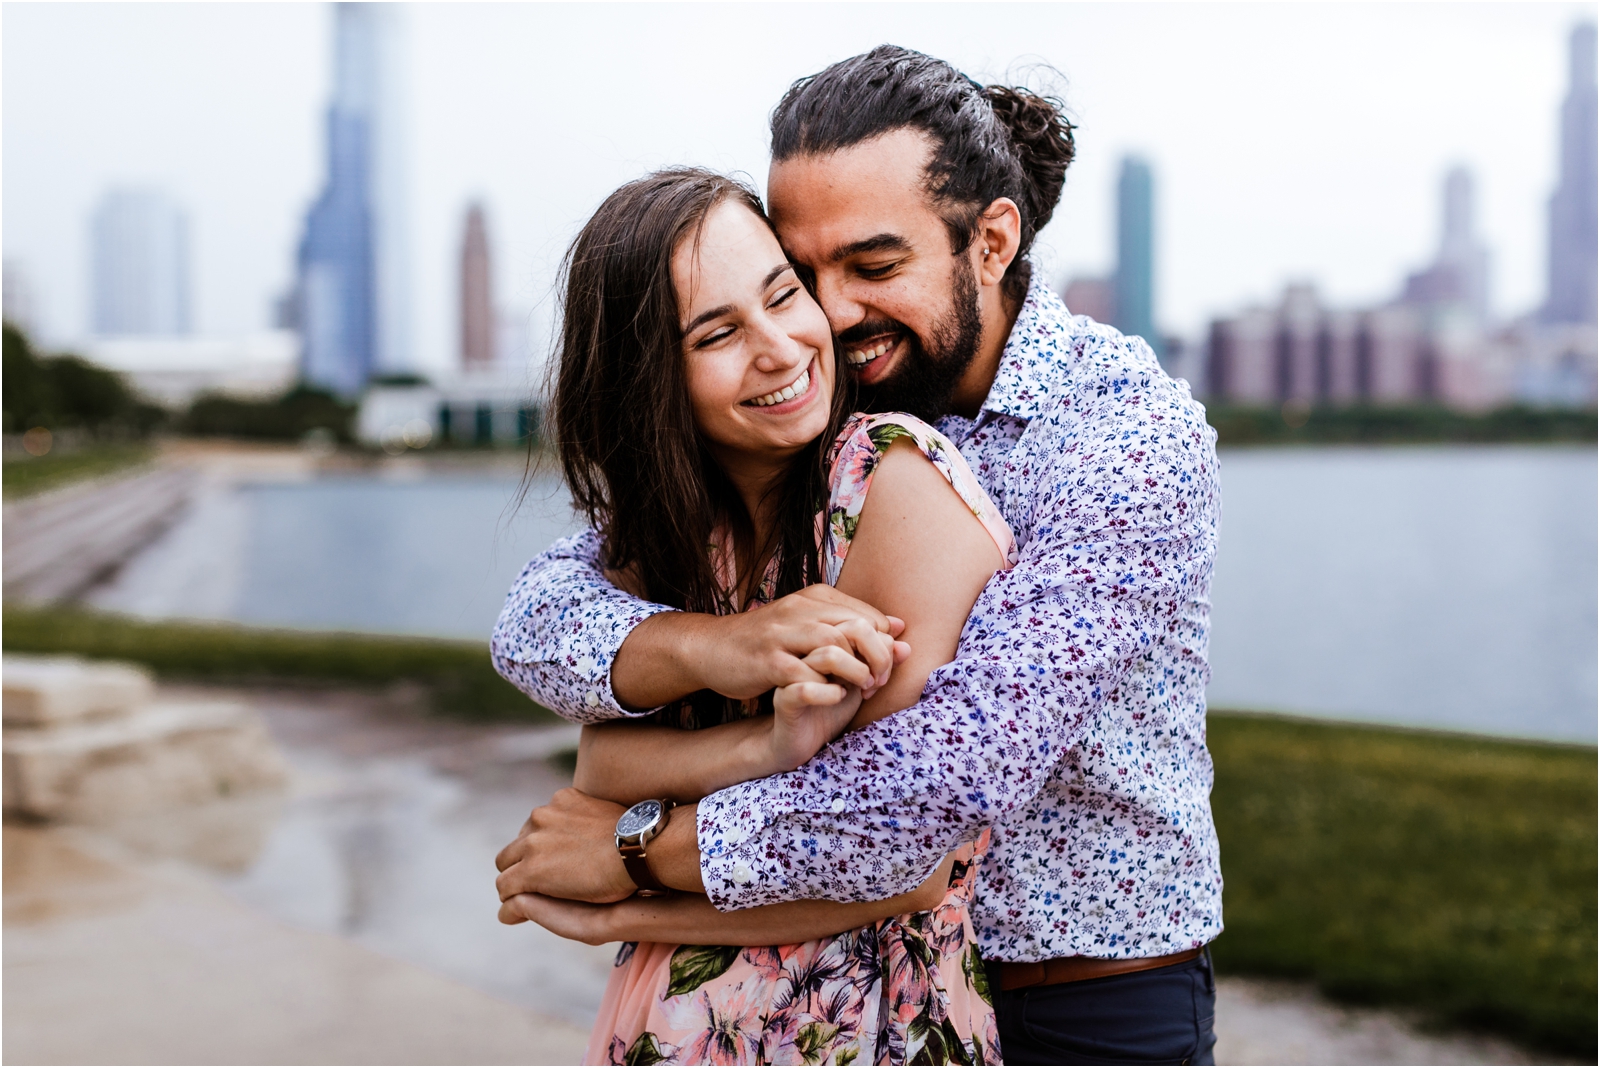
(1452,873)
(461,681)
(28,475)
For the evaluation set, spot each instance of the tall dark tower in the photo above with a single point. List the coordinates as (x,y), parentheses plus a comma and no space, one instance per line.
(477,301)
(1572,206)
(1135,278)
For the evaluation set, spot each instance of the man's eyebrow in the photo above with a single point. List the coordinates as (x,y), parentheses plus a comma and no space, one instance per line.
(724,309)
(875,243)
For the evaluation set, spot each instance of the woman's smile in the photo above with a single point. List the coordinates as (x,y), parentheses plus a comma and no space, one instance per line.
(792,397)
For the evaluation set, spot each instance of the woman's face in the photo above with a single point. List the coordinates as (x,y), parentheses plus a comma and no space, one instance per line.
(758,354)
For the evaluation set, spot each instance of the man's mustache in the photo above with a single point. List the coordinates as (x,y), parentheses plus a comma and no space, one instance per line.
(871,328)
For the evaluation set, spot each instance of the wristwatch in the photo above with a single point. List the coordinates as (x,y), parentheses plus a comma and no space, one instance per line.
(637,826)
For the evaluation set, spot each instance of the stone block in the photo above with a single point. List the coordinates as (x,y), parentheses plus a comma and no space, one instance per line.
(162,755)
(44,690)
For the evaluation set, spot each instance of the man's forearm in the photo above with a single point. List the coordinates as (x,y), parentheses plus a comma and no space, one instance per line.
(674,854)
(660,660)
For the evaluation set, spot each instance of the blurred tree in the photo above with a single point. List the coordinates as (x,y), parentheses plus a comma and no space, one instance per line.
(294,415)
(67,392)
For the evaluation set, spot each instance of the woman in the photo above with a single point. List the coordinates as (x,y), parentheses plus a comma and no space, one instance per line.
(703,427)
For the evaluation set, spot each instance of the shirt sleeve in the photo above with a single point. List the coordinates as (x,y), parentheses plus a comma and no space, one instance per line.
(560,630)
(1122,531)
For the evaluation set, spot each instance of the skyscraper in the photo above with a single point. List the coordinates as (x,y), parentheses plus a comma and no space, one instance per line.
(141,264)
(1459,276)
(1572,276)
(1135,282)
(353,299)
(477,300)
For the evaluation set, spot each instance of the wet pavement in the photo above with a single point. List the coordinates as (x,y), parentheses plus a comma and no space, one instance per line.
(351,919)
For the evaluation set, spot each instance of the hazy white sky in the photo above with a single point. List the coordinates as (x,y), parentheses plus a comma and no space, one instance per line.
(1291,141)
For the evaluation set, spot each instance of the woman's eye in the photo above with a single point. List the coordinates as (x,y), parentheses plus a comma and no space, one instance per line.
(714,337)
(785,297)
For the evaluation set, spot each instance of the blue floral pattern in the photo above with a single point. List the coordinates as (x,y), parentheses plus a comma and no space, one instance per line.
(1072,720)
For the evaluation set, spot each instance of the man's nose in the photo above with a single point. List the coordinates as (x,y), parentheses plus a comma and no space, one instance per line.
(838,304)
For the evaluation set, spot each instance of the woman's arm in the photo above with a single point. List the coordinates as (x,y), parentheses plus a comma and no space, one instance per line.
(629,762)
(920,554)
(691,919)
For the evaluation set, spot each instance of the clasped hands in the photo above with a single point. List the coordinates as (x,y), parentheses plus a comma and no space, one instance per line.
(822,653)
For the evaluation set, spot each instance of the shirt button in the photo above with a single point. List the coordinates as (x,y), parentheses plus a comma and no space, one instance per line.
(592,698)
(838,804)
(585,665)
(741,873)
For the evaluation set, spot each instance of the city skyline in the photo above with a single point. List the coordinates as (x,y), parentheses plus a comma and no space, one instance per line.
(1238,212)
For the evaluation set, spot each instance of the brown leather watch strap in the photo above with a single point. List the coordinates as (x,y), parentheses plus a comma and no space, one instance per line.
(639,872)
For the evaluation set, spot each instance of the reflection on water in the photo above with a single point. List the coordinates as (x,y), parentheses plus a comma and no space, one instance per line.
(1450,587)
(1438,587)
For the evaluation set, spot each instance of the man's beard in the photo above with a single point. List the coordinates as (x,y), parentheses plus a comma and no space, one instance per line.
(928,375)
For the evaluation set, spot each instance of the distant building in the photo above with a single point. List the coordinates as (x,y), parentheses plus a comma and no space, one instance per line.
(1459,275)
(17,299)
(1094,297)
(140,241)
(473,409)
(173,371)
(477,299)
(351,300)
(1572,277)
(1135,277)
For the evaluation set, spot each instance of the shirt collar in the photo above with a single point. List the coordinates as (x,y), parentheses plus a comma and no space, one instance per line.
(1036,353)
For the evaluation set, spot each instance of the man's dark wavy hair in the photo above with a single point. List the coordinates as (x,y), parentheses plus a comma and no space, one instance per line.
(990,141)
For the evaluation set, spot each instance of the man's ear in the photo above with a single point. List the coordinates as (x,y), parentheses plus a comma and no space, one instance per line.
(998,240)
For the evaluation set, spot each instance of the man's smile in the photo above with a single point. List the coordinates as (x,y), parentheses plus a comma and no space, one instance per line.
(871,359)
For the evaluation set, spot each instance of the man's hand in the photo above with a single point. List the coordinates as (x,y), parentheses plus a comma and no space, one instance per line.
(567,849)
(804,637)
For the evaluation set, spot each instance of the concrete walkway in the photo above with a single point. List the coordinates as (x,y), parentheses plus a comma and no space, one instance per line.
(350,920)
(108,963)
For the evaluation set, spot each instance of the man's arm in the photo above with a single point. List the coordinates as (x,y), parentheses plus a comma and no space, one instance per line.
(1123,531)
(571,640)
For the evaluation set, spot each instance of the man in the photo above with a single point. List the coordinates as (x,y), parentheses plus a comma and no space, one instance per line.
(1072,721)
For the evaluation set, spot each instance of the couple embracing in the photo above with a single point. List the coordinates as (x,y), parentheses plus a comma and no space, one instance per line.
(890,633)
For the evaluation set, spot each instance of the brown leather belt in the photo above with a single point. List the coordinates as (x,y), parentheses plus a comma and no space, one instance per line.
(1014,976)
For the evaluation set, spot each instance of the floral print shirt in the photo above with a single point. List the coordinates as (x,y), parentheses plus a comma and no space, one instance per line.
(1072,720)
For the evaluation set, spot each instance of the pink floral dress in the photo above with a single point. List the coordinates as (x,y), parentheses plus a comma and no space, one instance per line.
(910,989)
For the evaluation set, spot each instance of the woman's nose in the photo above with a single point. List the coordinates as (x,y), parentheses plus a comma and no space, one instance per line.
(775,350)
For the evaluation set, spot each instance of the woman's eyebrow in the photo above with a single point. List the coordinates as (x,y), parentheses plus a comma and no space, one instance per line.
(724,309)
(707,316)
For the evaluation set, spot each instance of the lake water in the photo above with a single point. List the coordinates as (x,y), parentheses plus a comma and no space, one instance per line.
(1448,587)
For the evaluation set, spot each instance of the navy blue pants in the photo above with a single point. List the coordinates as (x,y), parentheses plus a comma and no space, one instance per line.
(1161,1016)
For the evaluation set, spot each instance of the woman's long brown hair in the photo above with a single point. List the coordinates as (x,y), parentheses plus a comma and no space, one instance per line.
(624,426)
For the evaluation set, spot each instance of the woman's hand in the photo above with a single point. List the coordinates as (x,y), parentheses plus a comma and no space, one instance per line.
(807,716)
(573,920)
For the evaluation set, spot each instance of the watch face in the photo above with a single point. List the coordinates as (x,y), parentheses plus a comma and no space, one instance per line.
(639,818)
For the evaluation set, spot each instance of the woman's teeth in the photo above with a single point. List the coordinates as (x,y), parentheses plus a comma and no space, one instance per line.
(867,355)
(789,392)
